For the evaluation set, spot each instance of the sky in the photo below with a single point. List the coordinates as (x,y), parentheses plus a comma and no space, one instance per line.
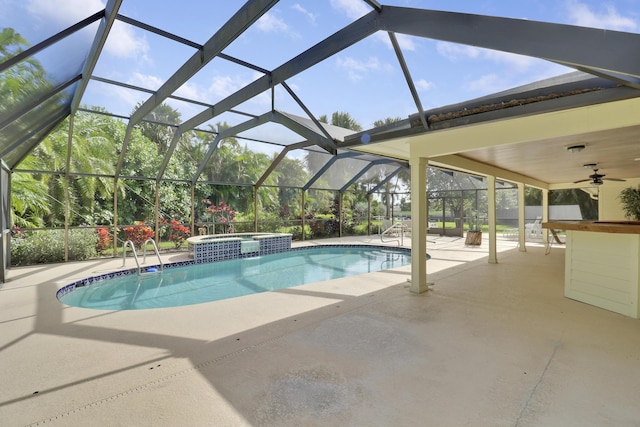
(364,80)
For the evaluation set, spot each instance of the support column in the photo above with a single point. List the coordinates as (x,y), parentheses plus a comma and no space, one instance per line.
(255,208)
(193,209)
(368,214)
(115,217)
(339,213)
(545,214)
(522,238)
(491,196)
(418,225)
(67,182)
(157,218)
(302,212)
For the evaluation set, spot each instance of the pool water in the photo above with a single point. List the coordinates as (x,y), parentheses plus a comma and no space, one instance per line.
(200,283)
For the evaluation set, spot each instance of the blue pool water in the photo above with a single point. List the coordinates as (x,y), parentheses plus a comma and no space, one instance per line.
(199,283)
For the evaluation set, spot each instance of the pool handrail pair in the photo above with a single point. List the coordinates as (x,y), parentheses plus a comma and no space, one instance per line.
(144,252)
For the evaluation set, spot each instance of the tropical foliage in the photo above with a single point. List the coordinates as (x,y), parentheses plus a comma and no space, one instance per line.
(138,233)
(83,181)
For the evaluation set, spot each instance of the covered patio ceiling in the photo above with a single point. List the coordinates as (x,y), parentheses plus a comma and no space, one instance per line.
(549,134)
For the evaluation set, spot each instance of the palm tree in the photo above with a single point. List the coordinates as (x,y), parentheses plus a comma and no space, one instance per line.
(29,198)
(160,134)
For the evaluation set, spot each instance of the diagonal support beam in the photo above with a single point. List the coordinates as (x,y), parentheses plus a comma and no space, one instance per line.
(333,44)
(227,133)
(44,126)
(110,13)
(615,77)
(231,30)
(387,179)
(374,4)
(326,167)
(278,159)
(305,132)
(36,102)
(407,77)
(363,171)
(315,121)
(567,45)
(51,40)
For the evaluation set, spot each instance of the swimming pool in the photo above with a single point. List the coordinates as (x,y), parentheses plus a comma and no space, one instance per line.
(198,283)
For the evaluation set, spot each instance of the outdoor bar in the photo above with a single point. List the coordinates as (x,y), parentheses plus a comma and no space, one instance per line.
(601,263)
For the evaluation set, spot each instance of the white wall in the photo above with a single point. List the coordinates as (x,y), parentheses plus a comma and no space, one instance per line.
(609,206)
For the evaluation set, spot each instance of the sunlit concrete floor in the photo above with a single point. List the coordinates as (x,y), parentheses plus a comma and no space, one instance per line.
(491,345)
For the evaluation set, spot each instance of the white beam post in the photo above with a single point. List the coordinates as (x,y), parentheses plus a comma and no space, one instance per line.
(418,225)
(522,238)
(545,214)
(491,194)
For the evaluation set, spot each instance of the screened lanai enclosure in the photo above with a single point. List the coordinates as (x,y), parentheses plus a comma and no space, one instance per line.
(119,121)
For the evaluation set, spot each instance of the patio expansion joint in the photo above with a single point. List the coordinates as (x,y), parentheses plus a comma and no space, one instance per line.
(525,406)
(161,380)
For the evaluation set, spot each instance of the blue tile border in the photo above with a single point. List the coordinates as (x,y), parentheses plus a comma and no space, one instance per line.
(95,279)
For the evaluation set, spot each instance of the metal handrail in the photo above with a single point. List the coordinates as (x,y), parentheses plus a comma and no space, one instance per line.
(155,248)
(124,254)
(394,227)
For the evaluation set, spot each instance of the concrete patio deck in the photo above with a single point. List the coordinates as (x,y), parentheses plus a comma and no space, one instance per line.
(491,345)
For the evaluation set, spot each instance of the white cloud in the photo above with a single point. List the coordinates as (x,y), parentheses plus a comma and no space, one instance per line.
(355,68)
(67,12)
(223,86)
(189,91)
(124,43)
(487,83)
(606,18)
(145,81)
(423,85)
(305,12)
(354,9)
(457,52)
(515,62)
(271,23)
(405,42)
(128,97)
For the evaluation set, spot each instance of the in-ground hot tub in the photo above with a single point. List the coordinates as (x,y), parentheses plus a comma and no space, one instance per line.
(218,247)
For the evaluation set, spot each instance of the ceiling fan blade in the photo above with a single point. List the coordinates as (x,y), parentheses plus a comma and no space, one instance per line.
(615,179)
(582,180)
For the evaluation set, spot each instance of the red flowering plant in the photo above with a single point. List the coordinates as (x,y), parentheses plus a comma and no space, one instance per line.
(225,215)
(178,233)
(138,233)
(17,232)
(104,239)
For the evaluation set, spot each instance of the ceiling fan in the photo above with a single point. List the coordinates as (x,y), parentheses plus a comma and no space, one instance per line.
(598,178)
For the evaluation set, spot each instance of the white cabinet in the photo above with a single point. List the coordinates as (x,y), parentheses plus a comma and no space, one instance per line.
(602,269)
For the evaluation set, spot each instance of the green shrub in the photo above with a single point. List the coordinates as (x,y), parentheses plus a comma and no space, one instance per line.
(47,246)
(82,244)
(361,229)
(38,247)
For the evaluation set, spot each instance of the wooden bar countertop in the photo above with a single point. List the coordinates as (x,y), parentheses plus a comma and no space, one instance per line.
(626,227)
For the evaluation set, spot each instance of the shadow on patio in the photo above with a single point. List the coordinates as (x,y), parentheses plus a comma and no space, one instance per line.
(491,345)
